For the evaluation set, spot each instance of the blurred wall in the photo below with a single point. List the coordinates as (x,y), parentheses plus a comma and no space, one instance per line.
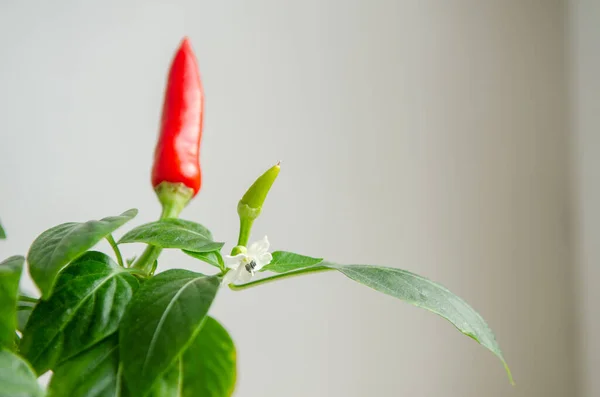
(584,56)
(426,135)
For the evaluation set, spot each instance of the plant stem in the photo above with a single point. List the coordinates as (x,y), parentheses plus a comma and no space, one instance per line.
(220,261)
(146,261)
(115,248)
(308,270)
(245,227)
(137,272)
(26,298)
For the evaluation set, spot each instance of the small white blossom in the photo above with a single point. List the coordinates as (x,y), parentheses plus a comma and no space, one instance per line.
(243,265)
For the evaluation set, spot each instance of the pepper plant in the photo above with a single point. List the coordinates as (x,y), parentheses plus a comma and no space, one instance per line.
(106,326)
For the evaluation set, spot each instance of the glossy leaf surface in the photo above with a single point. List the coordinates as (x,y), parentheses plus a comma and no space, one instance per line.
(401,284)
(89,301)
(92,373)
(173,233)
(164,317)
(55,248)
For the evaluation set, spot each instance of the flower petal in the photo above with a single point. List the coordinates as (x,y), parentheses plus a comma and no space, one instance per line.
(263,260)
(244,275)
(233,261)
(230,277)
(259,247)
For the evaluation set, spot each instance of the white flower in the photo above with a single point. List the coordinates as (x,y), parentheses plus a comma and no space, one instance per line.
(244,265)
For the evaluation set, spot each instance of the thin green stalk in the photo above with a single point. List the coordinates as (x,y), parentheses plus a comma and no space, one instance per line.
(137,272)
(245,227)
(308,270)
(146,261)
(25,298)
(220,261)
(171,211)
(115,248)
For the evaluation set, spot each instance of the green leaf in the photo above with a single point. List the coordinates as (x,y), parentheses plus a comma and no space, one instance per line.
(196,227)
(213,258)
(10,274)
(162,319)
(23,314)
(428,295)
(209,363)
(170,384)
(410,288)
(25,306)
(17,379)
(92,373)
(286,261)
(207,367)
(2,233)
(173,233)
(87,306)
(57,247)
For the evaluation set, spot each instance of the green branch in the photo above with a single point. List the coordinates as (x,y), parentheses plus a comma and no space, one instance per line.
(308,270)
(115,248)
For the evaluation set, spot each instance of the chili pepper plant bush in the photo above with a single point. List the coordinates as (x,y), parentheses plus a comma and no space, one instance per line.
(109,327)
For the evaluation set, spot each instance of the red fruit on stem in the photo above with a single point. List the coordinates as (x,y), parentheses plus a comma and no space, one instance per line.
(177,154)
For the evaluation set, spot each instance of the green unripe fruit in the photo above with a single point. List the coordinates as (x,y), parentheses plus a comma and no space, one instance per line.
(250,205)
(257,193)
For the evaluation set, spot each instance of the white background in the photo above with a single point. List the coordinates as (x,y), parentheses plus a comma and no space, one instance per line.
(425,135)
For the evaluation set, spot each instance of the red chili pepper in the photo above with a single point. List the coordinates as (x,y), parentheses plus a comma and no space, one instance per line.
(176,158)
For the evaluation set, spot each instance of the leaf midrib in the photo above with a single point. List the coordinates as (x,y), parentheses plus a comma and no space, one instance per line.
(180,379)
(173,227)
(78,225)
(178,226)
(391,292)
(77,307)
(162,320)
(119,386)
(60,242)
